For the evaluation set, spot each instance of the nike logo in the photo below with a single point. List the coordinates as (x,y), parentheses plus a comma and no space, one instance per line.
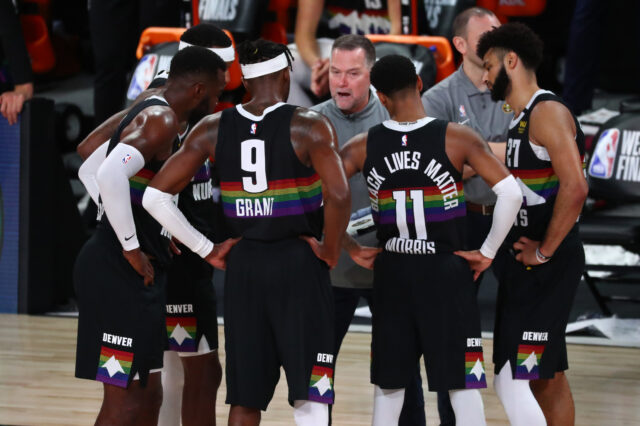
(128,238)
(464,122)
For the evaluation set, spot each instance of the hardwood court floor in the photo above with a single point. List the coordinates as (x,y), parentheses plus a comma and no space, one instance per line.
(37,386)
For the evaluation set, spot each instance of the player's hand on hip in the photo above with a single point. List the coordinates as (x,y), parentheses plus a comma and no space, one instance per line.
(477,262)
(321,252)
(365,256)
(218,256)
(140,262)
(527,249)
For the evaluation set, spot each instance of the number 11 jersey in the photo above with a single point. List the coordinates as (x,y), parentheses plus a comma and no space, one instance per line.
(267,193)
(416,194)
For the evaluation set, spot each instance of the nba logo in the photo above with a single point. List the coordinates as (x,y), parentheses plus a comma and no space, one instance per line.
(604,155)
(126,159)
(404,140)
(462,111)
(254,128)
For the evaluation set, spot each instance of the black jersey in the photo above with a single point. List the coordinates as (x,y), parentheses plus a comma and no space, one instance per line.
(416,193)
(267,193)
(531,166)
(151,236)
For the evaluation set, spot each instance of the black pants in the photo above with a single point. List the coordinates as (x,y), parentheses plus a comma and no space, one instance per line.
(478,226)
(346,302)
(115,27)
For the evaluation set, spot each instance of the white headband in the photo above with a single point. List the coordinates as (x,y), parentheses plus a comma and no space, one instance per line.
(226,53)
(264,68)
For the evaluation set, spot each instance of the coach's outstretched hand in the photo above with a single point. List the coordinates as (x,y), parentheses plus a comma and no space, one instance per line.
(140,262)
(477,262)
(321,251)
(218,256)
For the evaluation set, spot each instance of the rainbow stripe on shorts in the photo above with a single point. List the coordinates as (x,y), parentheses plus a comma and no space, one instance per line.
(528,362)
(475,377)
(114,367)
(321,385)
(181,332)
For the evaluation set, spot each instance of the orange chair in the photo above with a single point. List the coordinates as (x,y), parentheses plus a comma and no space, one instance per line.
(36,37)
(156,35)
(444,57)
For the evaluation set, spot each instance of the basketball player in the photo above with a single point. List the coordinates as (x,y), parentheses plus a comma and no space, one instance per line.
(423,293)
(280,177)
(192,371)
(120,273)
(540,264)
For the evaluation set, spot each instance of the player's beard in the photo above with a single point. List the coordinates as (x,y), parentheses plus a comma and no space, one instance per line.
(500,86)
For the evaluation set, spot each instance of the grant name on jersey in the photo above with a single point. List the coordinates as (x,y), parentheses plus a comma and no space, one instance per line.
(248,207)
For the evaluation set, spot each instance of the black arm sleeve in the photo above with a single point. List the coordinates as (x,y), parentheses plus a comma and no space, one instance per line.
(14,48)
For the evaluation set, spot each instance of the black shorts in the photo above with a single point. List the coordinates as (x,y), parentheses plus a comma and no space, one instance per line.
(533,308)
(425,305)
(278,311)
(191,303)
(121,321)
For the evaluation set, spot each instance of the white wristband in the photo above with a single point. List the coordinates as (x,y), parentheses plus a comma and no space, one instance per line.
(161,206)
(504,214)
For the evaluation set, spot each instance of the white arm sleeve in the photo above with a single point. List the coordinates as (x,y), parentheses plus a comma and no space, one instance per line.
(123,162)
(504,214)
(161,206)
(88,169)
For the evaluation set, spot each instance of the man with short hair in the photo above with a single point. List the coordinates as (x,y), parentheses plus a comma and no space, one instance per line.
(541,262)
(463,98)
(191,371)
(353,109)
(120,273)
(423,290)
(281,180)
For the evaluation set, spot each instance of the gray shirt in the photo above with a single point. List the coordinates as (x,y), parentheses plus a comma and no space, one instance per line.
(347,273)
(458,100)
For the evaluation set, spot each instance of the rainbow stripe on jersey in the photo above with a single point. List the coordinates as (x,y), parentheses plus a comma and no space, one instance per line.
(543,182)
(285,197)
(138,183)
(434,205)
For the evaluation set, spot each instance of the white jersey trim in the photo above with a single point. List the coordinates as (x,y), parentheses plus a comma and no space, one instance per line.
(517,119)
(243,112)
(407,127)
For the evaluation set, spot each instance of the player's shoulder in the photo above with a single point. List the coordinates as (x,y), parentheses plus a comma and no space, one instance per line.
(309,118)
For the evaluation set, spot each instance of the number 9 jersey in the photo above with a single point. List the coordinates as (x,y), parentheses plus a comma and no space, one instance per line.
(267,193)
(416,194)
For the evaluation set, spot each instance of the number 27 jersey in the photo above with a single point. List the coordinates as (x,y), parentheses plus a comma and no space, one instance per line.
(267,193)
(416,194)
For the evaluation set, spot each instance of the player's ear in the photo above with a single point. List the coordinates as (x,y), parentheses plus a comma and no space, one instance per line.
(384,100)
(419,84)
(511,60)
(460,44)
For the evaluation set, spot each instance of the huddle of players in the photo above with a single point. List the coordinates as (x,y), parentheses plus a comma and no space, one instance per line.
(285,200)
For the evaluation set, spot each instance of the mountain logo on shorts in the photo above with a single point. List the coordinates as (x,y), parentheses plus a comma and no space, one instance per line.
(475,377)
(182,333)
(528,362)
(114,367)
(321,385)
